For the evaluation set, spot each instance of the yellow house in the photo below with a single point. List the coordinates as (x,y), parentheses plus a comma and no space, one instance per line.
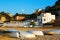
(3,18)
(20,17)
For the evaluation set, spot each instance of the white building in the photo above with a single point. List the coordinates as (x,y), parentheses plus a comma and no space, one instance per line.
(46,18)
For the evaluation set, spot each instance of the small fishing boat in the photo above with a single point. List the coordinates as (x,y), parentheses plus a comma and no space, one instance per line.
(52,32)
(36,32)
(26,35)
(13,33)
(19,33)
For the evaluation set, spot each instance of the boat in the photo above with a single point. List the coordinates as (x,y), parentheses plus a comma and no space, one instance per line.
(36,32)
(52,32)
(19,33)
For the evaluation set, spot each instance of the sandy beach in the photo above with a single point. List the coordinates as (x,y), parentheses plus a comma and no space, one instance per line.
(45,37)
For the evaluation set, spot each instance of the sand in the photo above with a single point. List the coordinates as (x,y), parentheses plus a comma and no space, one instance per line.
(45,37)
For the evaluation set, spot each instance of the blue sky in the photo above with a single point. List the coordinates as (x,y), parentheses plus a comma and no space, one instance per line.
(29,6)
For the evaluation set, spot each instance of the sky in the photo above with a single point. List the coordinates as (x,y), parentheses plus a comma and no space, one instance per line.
(25,6)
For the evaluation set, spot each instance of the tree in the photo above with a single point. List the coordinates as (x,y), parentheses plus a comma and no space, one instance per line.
(54,9)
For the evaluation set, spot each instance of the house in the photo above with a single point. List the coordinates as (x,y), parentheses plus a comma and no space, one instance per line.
(20,17)
(48,18)
(45,18)
(3,18)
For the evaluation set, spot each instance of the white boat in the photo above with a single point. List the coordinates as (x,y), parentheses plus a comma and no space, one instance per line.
(36,32)
(12,30)
(13,33)
(22,34)
(26,35)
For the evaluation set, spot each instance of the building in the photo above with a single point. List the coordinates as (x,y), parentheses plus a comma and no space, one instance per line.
(20,17)
(46,18)
(3,18)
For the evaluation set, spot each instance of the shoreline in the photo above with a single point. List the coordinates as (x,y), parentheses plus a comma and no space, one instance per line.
(29,28)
